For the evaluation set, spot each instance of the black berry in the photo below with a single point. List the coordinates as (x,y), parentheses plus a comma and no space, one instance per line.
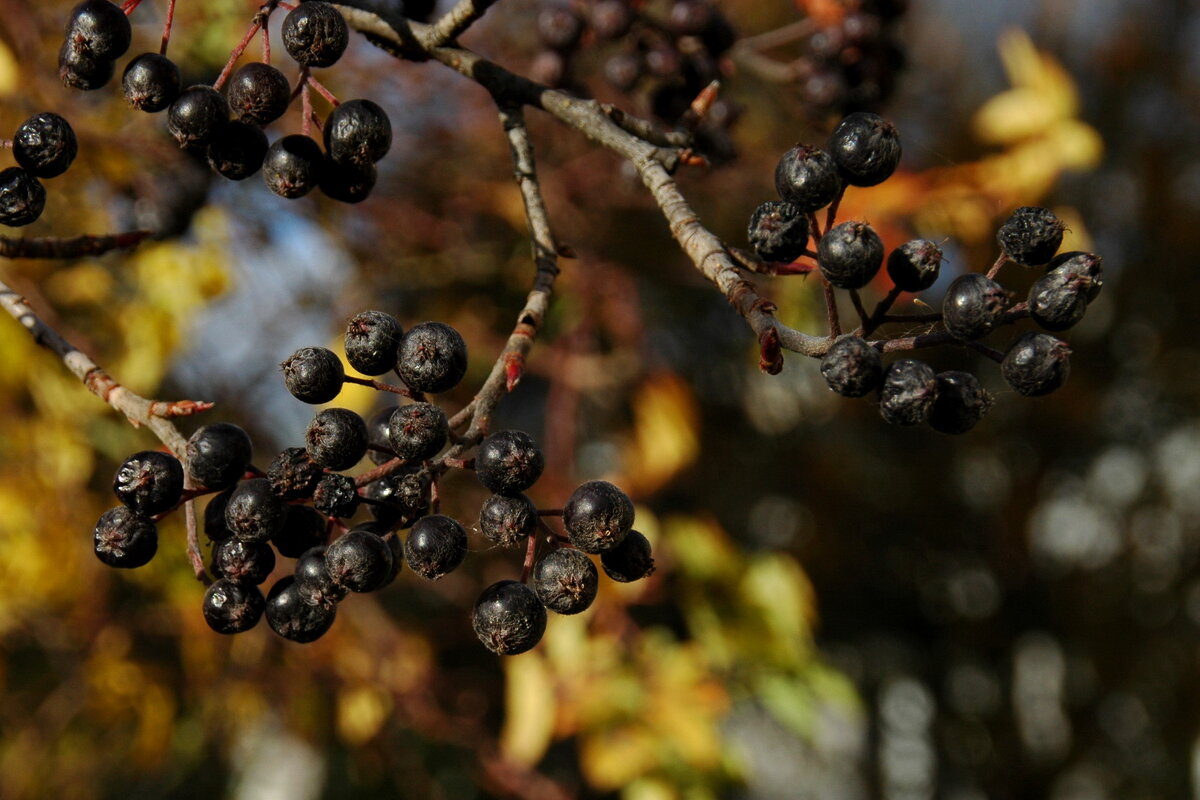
(1058,299)
(231,607)
(151,82)
(417,431)
(259,94)
(292,167)
(914,265)
(336,496)
(314,583)
(436,545)
(313,374)
(214,517)
(358,132)
(1031,236)
(961,402)
(508,618)
(22,197)
(400,497)
(45,145)
(1084,267)
(908,391)
(377,432)
(123,538)
(508,462)
(243,562)
(866,148)
(565,581)
(99,29)
(973,306)
(149,482)
(630,560)
(255,513)
(808,178)
(303,529)
(346,183)
(237,150)
(293,474)
(336,438)
(196,115)
(778,231)
(292,618)
(218,455)
(850,255)
(79,69)
(360,561)
(316,34)
(852,368)
(433,357)
(372,342)
(508,520)
(1036,364)
(597,516)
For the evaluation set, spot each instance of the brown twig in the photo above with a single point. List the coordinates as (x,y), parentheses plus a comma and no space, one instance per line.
(73,247)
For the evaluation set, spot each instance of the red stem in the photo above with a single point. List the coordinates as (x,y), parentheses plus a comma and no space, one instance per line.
(321,90)
(235,55)
(166,34)
(530,554)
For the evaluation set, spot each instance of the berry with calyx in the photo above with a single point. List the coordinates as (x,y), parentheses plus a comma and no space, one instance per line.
(508,462)
(313,374)
(196,116)
(292,167)
(508,618)
(1085,267)
(1036,364)
(336,438)
(961,402)
(808,178)
(259,94)
(303,529)
(433,357)
(79,69)
(436,545)
(778,231)
(22,197)
(214,518)
(850,254)
(417,431)
(293,474)
(99,29)
(347,183)
(565,581)
(243,562)
(866,148)
(231,607)
(373,341)
(907,392)
(237,150)
(508,520)
(360,561)
(597,516)
(1031,236)
(1058,299)
(377,432)
(218,455)
(316,34)
(254,513)
(399,498)
(149,482)
(851,367)
(151,82)
(336,496)
(123,538)
(914,265)
(45,145)
(292,618)
(973,306)
(314,582)
(559,27)
(358,132)
(629,561)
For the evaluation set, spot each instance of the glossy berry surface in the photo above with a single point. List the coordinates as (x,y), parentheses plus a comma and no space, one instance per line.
(961,402)
(973,306)
(336,438)
(303,529)
(778,231)
(123,538)
(852,368)
(243,562)
(99,29)
(313,374)
(316,34)
(314,583)
(196,116)
(508,618)
(237,150)
(258,93)
(360,561)
(347,183)
(405,495)
(358,132)
(79,69)
(866,148)
(336,496)
(1086,268)
(436,545)
(597,516)
(231,607)
(808,178)
(629,561)
(508,462)
(214,517)
(1058,299)
(293,474)
(218,455)
(151,82)
(1036,364)
(22,197)
(508,520)
(292,618)
(373,342)
(255,513)
(418,431)
(1031,236)
(45,145)
(565,581)
(377,433)
(850,255)
(433,357)
(914,265)
(292,166)
(149,482)
(908,391)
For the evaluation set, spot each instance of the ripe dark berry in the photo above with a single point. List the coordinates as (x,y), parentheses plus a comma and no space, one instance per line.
(1058,299)
(852,368)
(231,607)
(973,306)
(347,183)
(196,116)
(808,178)
(372,342)
(336,438)
(1036,364)
(866,148)
(1031,236)
(315,34)
(850,255)
(433,357)
(292,618)
(610,19)
(417,431)
(508,462)
(336,496)
(1085,267)
(123,538)
(243,562)
(303,529)
(292,167)
(79,69)
(151,82)
(293,474)
(597,516)
(508,520)
(396,546)
(565,581)
(358,132)
(360,561)
(559,26)
(914,265)
(259,94)
(100,29)
(436,545)
(45,145)
(22,197)
(314,583)
(377,432)
(404,493)
(217,455)
(237,150)
(255,513)
(149,482)
(961,402)
(908,391)
(778,231)
(508,618)
(214,518)
(630,560)
(313,374)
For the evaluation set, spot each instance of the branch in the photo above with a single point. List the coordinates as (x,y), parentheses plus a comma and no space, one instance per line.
(75,247)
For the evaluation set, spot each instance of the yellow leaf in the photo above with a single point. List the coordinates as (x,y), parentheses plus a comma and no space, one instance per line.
(9,72)
(361,712)
(665,440)
(529,708)
(1042,94)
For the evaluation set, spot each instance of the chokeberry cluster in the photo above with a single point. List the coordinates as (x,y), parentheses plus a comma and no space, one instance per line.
(864,150)
(43,146)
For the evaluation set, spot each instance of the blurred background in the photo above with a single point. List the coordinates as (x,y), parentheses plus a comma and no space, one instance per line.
(842,609)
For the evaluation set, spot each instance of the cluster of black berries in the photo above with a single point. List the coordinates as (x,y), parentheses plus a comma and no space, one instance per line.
(228,129)
(44,146)
(864,150)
